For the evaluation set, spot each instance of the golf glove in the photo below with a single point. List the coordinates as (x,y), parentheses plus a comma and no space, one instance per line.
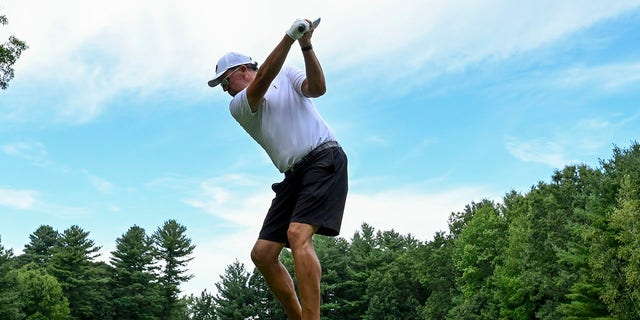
(298,28)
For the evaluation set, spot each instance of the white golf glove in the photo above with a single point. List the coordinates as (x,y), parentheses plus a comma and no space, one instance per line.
(298,28)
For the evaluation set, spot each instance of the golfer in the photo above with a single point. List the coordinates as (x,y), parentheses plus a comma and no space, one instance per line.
(272,103)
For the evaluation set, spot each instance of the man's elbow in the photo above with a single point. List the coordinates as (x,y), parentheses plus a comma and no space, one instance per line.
(315,92)
(320,92)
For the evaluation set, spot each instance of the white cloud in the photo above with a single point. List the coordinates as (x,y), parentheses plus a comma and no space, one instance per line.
(583,139)
(100,184)
(36,202)
(546,152)
(237,199)
(18,199)
(93,52)
(212,256)
(593,124)
(417,150)
(405,210)
(609,77)
(34,152)
(408,210)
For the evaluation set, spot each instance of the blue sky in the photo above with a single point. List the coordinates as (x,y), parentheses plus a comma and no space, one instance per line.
(109,122)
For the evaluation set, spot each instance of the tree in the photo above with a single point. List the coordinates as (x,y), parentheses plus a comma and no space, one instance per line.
(235,300)
(436,273)
(394,291)
(611,237)
(10,303)
(535,277)
(136,294)
(40,247)
(173,250)
(583,298)
(477,251)
(84,282)
(41,294)
(334,255)
(266,306)
(202,307)
(626,221)
(363,261)
(10,51)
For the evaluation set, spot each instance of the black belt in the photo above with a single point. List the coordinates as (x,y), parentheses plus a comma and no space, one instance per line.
(323,146)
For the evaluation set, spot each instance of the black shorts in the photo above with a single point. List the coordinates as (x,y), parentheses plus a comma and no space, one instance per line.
(314,193)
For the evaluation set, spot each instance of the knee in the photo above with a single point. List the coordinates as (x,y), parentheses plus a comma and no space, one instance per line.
(263,255)
(299,235)
(258,256)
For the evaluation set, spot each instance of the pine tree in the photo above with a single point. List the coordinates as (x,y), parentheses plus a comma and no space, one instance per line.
(173,250)
(363,262)
(40,247)
(266,307)
(10,303)
(202,307)
(235,299)
(84,282)
(333,254)
(135,290)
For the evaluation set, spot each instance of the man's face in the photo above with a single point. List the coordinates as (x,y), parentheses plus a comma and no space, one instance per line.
(232,80)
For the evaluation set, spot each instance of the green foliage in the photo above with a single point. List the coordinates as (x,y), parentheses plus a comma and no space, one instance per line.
(10,303)
(265,304)
(135,291)
(567,249)
(10,51)
(83,280)
(334,254)
(437,275)
(477,251)
(395,291)
(173,249)
(202,307)
(626,221)
(235,299)
(39,250)
(41,294)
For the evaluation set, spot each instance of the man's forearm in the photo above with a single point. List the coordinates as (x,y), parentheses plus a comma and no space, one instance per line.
(267,72)
(315,84)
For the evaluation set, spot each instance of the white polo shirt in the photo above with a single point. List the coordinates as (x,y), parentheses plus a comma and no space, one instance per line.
(287,124)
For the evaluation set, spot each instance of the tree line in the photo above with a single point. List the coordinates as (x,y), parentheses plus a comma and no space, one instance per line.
(57,277)
(566,249)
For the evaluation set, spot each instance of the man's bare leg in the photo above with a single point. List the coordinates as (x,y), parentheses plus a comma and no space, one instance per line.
(265,256)
(307,268)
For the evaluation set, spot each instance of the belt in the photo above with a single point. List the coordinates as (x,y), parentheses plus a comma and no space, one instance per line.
(323,146)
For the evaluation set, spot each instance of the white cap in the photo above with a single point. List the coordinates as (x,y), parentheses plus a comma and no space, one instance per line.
(228,61)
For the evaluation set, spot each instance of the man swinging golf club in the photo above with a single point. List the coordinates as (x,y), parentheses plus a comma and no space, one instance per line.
(272,103)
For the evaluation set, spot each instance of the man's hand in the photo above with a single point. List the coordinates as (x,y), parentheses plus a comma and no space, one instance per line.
(305,39)
(299,28)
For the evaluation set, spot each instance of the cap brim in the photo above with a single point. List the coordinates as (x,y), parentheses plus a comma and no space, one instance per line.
(218,78)
(214,82)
